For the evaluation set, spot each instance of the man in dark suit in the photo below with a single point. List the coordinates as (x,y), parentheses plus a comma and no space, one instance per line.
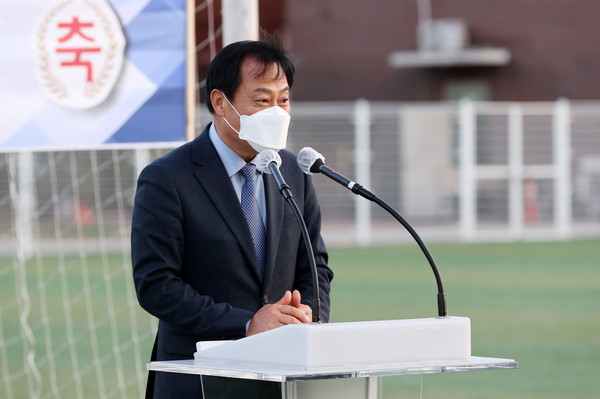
(195,265)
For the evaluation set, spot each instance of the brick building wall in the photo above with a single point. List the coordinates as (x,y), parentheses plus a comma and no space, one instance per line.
(341,48)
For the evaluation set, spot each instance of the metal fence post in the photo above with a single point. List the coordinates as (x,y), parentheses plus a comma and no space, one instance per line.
(141,159)
(515,170)
(467,183)
(23,201)
(562,168)
(362,168)
(240,20)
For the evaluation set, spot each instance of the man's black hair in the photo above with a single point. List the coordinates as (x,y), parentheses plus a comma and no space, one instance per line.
(224,70)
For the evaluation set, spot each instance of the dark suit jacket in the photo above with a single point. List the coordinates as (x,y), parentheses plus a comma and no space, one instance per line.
(194,264)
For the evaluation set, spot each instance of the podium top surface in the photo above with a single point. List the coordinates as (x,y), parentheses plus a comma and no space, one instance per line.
(307,347)
(279,374)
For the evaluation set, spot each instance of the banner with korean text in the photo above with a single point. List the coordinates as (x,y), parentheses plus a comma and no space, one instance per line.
(80,73)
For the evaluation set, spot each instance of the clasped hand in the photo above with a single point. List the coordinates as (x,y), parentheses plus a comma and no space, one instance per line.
(288,310)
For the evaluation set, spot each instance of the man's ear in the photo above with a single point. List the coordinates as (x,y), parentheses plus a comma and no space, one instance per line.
(217,99)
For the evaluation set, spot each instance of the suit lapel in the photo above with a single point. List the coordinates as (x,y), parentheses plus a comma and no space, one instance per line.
(275,208)
(213,178)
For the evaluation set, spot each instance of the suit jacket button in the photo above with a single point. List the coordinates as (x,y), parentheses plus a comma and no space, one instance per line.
(265,299)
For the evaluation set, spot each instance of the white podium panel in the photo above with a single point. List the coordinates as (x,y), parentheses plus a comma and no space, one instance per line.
(355,388)
(341,345)
(340,360)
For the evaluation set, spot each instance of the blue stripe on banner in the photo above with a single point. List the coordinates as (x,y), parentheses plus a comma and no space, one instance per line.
(156,46)
(164,5)
(161,118)
(157,30)
(159,65)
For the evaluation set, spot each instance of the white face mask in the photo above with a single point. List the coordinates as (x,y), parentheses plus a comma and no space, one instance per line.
(266,129)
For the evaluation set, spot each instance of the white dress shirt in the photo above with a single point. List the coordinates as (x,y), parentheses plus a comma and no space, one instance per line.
(233,163)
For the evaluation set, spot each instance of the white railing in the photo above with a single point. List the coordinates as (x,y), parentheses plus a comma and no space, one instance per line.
(469,171)
(515,171)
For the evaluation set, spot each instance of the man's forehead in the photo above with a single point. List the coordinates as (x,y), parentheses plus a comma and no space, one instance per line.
(255,70)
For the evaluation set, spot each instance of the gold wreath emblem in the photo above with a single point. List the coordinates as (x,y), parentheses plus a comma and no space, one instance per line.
(50,81)
(92,89)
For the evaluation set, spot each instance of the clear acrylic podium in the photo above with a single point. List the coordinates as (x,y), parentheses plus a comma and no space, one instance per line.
(340,360)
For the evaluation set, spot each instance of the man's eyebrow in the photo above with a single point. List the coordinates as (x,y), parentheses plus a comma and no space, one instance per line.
(267,90)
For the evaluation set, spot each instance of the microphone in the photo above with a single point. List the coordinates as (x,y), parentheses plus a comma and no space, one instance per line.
(268,161)
(310,161)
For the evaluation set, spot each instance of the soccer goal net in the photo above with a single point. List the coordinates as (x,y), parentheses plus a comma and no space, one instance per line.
(70,324)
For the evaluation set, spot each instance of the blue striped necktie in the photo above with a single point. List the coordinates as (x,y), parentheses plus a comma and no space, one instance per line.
(252,213)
